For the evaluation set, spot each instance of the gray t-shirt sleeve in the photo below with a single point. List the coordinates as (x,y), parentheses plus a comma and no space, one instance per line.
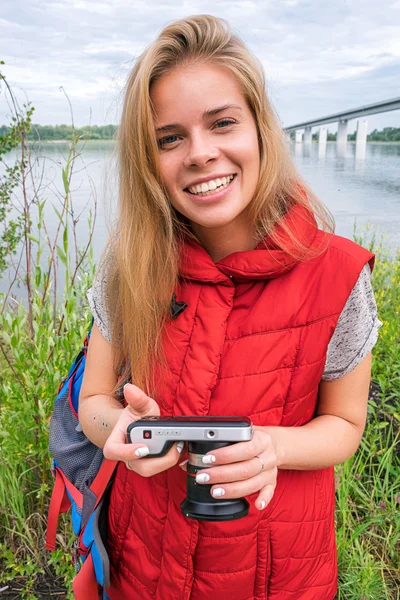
(97,299)
(356,331)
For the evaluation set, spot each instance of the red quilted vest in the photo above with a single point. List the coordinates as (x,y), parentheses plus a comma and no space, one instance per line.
(253,342)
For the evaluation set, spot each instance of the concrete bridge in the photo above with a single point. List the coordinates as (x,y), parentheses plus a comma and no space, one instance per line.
(343,119)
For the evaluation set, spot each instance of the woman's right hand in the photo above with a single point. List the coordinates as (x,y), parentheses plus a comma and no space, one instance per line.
(139,405)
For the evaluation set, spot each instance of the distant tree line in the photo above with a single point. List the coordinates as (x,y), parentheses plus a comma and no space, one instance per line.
(64,132)
(108,132)
(388,134)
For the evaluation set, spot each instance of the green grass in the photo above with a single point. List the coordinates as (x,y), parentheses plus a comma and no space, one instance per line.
(368,485)
(30,368)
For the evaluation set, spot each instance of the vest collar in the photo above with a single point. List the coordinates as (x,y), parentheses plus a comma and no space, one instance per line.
(266,261)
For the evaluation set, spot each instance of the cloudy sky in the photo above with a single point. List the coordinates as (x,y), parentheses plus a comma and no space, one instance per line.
(320,56)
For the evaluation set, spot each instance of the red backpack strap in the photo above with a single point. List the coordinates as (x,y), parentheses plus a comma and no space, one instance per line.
(102,479)
(59,503)
(84,585)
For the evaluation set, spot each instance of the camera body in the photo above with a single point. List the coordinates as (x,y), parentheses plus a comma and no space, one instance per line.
(159,433)
(203,435)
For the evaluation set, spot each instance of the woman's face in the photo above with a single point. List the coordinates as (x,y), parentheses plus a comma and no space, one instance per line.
(208,144)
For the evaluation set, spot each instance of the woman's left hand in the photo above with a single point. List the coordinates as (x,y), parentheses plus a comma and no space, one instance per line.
(238,470)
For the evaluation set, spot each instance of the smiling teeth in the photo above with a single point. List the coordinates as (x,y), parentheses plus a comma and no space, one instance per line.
(212,185)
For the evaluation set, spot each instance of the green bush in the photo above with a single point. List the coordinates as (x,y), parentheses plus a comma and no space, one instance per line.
(32,365)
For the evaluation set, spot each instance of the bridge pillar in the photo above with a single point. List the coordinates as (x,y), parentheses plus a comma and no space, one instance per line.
(308,135)
(322,137)
(299,137)
(361,138)
(341,137)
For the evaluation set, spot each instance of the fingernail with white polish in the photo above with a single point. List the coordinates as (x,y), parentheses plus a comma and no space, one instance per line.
(262,505)
(183,463)
(140,452)
(218,492)
(202,477)
(208,459)
(180,446)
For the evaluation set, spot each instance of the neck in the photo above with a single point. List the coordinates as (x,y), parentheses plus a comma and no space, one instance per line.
(223,241)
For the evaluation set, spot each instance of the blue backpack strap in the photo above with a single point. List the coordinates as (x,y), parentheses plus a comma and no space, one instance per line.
(75,375)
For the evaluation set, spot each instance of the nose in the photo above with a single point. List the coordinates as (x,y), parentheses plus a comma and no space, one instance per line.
(200,151)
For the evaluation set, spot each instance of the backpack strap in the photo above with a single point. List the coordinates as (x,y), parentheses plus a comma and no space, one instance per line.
(59,503)
(84,585)
(102,479)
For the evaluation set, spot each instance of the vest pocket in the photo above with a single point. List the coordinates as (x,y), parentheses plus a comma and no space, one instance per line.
(263,565)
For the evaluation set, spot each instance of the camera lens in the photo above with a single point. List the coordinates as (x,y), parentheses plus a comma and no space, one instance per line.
(210,434)
(199,504)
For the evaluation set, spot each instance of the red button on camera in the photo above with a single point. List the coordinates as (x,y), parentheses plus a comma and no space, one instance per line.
(147,434)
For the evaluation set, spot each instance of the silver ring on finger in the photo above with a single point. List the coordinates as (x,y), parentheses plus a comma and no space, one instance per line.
(262,463)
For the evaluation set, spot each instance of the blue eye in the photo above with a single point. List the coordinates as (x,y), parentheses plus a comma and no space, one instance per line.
(169,139)
(225,123)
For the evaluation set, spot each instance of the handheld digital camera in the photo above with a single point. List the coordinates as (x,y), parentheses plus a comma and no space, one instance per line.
(203,434)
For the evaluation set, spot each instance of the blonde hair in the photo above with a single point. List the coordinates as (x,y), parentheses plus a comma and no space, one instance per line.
(144,271)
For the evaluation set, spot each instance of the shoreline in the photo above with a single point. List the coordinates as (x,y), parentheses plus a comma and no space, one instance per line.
(114,141)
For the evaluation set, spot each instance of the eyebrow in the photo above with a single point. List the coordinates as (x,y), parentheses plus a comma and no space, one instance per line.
(208,113)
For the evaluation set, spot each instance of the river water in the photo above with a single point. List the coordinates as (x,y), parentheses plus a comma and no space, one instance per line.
(365,192)
(362,192)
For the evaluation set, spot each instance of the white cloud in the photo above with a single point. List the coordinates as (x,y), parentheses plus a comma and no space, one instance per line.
(319,57)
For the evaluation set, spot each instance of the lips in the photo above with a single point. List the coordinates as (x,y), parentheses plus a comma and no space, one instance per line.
(211,187)
(217,180)
(212,195)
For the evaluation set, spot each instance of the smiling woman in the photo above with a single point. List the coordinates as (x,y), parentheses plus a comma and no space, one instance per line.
(210,160)
(272,318)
